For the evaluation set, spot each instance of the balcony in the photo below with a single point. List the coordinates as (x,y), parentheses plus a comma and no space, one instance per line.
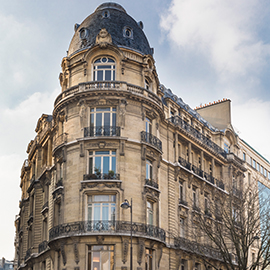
(151,139)
(43,246)
(106,227)
(182,202)
(102,131)
(28,254)
(151,183)
(195,247)
(176,120)
(208,177)
(60,140)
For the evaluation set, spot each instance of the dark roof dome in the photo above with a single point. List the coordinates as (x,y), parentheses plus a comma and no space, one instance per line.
(124,30)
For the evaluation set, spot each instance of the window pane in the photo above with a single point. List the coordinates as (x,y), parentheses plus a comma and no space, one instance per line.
(113,164)
(112,212)
(107,119)
(101,198)
(105,260)
(98,163)
(90,165)
(108,75)
(106,164)
(100,75)
(96,211)
(90,212)
(102,152)
(106,109)
(113,76)
(114,119)
(105,211)
(92,120)
(110,60)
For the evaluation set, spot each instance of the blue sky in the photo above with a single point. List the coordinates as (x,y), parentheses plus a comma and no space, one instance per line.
(205,50)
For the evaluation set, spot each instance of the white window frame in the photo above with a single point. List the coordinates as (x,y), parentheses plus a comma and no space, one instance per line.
(150,212)
(106,64)
(149,170)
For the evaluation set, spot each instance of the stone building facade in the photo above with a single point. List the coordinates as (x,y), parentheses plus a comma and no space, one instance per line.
(116,133)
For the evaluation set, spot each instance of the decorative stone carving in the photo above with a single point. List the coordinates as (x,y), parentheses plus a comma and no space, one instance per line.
(143,152)
(176,173)
(159,255)
(100,239)
(122,113)
(125,244)
(63,253)
(82,149)
(108,184)
(122,148)
(82,113)
(140,251)
(103,38)
(76,252)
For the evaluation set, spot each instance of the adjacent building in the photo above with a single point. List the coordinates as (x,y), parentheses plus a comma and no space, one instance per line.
(115,134)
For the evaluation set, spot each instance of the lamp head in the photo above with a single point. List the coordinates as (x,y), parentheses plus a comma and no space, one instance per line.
(125,204)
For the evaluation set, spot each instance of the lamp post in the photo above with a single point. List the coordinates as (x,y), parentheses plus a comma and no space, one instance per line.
(126,205)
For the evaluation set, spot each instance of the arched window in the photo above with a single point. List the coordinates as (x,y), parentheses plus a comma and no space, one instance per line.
(104,69)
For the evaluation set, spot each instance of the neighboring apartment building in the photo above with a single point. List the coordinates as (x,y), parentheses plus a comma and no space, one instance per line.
(116,133)
(6,265)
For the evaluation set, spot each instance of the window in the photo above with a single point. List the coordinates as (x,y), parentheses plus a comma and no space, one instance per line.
(210,169)
(197,266)
(226,148)
(250,161)
(61,170)
(244,156)
(148,259)
(149,213)
(100,257)
(183,264)
(103,121)
(148,125)
(149,169)
(181,191)
(182,227)
(258,167)
(254,163)
(127,32)
(206,203)
(104,69)
(101,208)
(194,196)
(146,84)
(102,162)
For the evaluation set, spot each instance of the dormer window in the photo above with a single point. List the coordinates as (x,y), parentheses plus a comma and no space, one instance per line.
(104,69)
(128,32)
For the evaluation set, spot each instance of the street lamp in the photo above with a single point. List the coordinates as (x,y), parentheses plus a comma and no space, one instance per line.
(126,205)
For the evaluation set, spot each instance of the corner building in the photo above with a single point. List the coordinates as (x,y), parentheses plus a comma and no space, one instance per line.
(116,133)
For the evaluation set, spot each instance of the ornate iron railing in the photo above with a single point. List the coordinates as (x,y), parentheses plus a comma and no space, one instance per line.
(151,183)
(195,247)
(102,176)
(28,254)
(42,246)
(201,173)
(100,226)
(102,131)
(196,134)
(184,163)
(182,202)
(150,138)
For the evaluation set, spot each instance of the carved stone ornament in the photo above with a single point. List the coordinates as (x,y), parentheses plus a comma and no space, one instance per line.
(125,244)
(108,184)
(140,251)
(176,173)
(159,254)
(76,253)
(82,113)
(122,113)
(103,38)
(63,253)
(100,239)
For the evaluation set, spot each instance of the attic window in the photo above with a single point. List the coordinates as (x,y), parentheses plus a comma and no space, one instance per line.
(106,14)
(128,32)
(83,33)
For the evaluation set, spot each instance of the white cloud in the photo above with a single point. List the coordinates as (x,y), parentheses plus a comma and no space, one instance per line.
(223,31)
(251,119)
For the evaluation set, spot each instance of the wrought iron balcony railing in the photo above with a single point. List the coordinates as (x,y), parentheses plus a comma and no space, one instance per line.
(28,254)
(102,226)
(42,246)
(102,176)
(208,177)
(150,182)
(150,138)
(176,120)
(195,247)
(102,131)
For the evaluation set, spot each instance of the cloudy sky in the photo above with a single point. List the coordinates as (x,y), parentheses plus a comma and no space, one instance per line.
(205,50)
